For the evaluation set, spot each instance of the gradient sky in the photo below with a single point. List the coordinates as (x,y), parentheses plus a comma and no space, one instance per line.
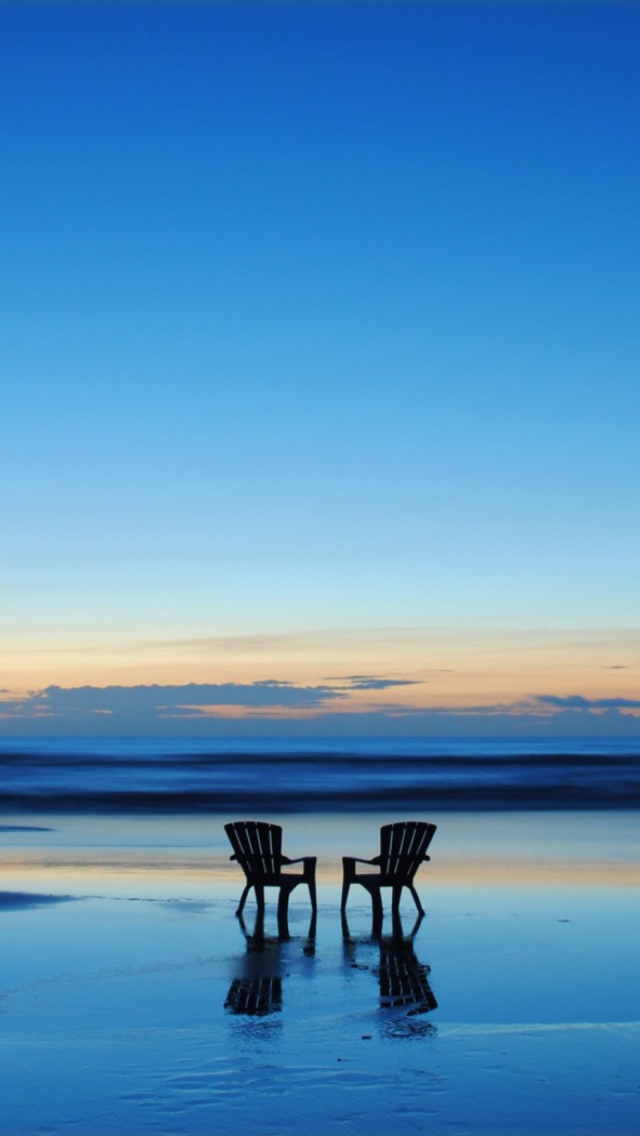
(320,359)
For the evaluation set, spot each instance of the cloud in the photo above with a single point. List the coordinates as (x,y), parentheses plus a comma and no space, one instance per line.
(278,707)
(373,682)
(156,699)
(15,707)
(578,702)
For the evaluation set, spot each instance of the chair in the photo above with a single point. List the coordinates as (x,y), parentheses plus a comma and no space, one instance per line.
(257,846)
(403,847)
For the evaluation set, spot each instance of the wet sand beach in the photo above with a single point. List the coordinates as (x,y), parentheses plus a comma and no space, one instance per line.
(133,1000)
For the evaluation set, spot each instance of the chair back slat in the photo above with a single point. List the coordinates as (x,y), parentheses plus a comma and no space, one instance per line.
(257,847)
(403,847)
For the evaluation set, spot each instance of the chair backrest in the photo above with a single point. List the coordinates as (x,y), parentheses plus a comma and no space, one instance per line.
(403,847)
(257,847)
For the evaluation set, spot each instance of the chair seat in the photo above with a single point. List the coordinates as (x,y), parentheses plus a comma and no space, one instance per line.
(274,880)
(381,881)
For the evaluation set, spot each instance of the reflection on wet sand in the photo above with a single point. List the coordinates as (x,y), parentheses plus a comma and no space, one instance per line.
(256,996)
(402,979)
(257,990)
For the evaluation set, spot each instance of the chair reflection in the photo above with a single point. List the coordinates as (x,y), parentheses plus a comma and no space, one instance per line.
(256,996)
(257,990)
(402,979)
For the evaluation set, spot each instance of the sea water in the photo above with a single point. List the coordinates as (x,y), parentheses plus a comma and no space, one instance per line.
(312,775)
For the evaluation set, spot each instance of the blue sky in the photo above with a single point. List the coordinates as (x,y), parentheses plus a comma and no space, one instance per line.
(321,335)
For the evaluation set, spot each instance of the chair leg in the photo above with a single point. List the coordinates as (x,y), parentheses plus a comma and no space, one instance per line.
(310,945)
(283,902)
(283,909)
(348,876)
(416,899)
(396,927)
(283,920)
(258,928)
(376,903)
(310,877)
(377,916)
(396,896)
(312,895)
(243,900)
(259,890)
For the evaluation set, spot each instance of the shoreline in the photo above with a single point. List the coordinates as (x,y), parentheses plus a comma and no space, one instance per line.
(144,805)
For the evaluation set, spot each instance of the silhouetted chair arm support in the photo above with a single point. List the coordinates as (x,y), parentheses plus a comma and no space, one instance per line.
(349,865)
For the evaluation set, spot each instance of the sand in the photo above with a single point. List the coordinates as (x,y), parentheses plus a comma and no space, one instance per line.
(132,1000)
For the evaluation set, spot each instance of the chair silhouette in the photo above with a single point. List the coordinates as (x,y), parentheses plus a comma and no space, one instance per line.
(257,846)
(403,847)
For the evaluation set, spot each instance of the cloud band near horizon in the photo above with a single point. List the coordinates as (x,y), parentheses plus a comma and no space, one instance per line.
(156,706)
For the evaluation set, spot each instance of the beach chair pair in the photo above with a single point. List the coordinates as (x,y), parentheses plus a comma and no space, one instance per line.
(257,847)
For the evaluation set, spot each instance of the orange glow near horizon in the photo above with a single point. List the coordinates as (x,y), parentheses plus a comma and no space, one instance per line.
(446,669)
(78,869)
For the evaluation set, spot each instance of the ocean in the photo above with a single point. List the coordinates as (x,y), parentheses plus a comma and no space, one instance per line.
(156,775)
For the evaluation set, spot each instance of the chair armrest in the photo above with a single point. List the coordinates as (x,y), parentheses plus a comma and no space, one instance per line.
(353,860)
(298,860)
(234,857)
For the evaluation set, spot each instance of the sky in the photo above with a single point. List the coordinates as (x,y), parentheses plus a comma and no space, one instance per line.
(320,385)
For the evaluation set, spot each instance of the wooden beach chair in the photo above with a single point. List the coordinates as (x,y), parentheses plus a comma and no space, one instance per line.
(403,847)
(257,846)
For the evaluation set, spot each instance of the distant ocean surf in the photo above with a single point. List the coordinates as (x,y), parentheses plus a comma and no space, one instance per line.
(154,775)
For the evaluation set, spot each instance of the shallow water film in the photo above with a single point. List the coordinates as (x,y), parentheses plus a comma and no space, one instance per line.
(132,999)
